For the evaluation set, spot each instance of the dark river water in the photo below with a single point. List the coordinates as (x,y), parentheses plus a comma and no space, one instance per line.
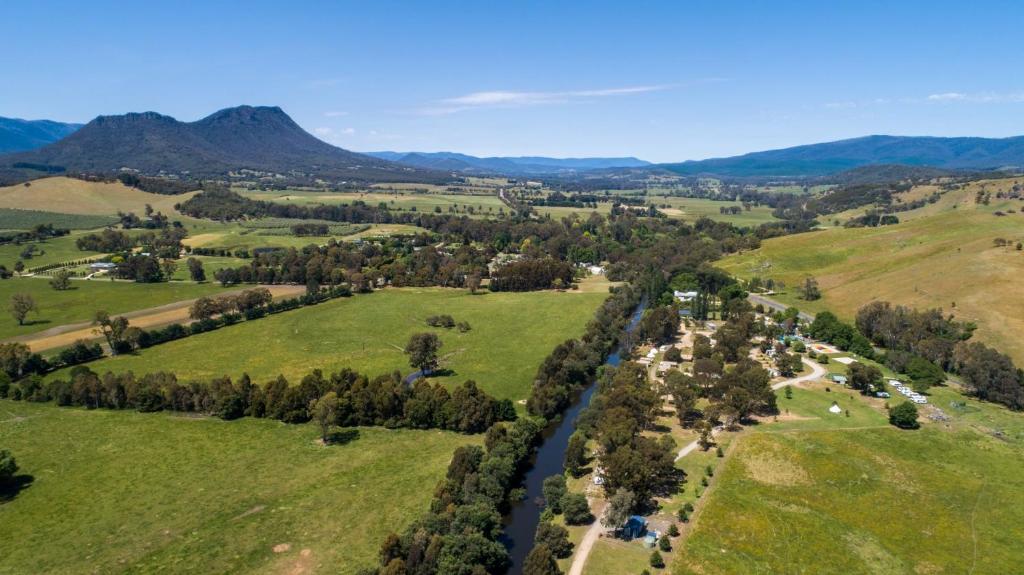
(521,521)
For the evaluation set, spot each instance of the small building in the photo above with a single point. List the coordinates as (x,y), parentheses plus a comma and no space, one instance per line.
(840,379)
(636,526)
(102,266)
(684,296)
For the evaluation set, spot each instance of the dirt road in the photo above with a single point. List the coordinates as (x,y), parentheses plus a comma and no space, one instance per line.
(176,312)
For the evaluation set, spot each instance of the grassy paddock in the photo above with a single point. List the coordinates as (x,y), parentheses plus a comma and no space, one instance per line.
(511,334)
(81,197)
(867,501)
(81,303)
(117,492)
(945,259)
(12,219)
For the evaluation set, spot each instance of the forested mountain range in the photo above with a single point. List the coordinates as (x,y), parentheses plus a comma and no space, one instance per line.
(831,157)
(18,135)
(512,165)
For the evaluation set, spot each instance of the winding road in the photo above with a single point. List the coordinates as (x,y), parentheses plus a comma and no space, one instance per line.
(594,533)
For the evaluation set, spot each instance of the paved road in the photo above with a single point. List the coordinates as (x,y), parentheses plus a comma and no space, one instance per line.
(770,303)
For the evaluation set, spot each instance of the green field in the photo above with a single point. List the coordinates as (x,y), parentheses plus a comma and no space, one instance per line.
(210,265)
(80,303)
(690,209)
(815,496)
(51,251)
(941,256)
(687,209)
(399,200)
(12,219)
(511,334)
(120,492)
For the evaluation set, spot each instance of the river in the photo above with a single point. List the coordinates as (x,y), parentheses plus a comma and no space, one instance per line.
(522,519)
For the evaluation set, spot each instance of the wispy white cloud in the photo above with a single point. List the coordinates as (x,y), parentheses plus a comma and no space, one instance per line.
(840,105)
(517,99)
(331,133)
(977,98)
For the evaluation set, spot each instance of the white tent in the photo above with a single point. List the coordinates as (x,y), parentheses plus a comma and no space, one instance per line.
(835,408)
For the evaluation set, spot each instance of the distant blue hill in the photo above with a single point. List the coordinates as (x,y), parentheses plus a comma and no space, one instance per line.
(23,135)
(832,157)
(521,165)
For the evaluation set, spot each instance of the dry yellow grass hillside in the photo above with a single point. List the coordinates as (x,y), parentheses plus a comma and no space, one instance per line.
(71,196)
(942,255)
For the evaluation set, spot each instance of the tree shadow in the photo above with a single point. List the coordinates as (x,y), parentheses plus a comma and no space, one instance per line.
(442,372)
(14,486)
(342,436)
(36,322)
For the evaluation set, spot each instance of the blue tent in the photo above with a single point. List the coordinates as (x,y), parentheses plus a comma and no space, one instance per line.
(635,527)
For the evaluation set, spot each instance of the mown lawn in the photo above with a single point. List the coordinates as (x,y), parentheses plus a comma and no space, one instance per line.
(511,334)
(81,303)
(935,500)
(120,492)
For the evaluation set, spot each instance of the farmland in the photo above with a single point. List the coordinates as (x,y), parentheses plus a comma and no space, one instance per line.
(80,303)
(368,333)
(942,255)
(127,492)
(89,198)
(12,219)
(399,200)
(942,501)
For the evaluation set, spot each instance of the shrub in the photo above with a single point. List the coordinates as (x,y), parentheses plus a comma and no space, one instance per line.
(904,416)
(576,509)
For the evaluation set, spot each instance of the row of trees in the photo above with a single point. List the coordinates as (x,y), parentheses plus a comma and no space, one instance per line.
(573,364)
(460,533)
(355,399)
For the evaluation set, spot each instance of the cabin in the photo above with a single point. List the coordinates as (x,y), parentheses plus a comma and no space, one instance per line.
(636,526)
(840,379)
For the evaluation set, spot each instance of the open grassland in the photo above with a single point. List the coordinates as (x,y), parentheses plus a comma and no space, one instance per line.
(863,501)
(50,251)
(250,235)
(399,200)
(14,219)
(938,260)
(85,298)
(691,209)
(511,334)
(210,265)
(687,209)
(71,196)
(118,492)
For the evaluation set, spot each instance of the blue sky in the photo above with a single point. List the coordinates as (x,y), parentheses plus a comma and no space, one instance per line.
(663,81)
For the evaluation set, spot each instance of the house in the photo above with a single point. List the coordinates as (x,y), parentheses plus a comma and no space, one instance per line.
(595,270)
(102,266)
(636,526)
(840,379)
(684,296)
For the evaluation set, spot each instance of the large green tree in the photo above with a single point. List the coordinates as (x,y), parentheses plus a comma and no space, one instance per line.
(422,350)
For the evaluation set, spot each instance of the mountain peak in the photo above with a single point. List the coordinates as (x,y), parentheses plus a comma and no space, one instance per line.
(257,138)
